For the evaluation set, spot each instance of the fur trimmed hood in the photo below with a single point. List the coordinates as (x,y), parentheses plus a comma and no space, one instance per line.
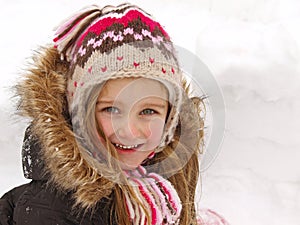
(42,93)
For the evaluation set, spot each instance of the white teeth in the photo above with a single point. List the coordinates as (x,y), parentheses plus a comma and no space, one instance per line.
(126,146)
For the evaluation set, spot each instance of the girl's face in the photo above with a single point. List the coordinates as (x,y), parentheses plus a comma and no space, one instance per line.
(132,113)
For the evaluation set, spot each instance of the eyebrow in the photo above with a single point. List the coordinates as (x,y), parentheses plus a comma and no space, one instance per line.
(149,105)
(109,101)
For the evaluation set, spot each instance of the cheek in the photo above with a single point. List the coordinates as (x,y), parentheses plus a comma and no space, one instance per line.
(106,125)
(155,129)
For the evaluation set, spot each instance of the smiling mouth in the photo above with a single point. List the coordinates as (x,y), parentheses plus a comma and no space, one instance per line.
(127,147)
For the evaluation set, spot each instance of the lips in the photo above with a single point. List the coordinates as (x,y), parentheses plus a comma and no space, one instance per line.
(127,147)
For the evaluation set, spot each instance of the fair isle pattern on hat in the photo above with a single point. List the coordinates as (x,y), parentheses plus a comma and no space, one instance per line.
(117,42)
(123,24)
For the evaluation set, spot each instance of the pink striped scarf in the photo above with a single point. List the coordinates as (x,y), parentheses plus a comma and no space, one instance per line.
(156,194)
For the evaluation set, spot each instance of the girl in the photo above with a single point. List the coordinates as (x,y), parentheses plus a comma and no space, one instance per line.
(114,137)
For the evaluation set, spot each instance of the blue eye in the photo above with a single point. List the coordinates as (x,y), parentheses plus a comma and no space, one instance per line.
(148,112)
(112,110)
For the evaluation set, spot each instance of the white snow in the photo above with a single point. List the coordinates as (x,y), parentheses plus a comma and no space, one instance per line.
(251,47)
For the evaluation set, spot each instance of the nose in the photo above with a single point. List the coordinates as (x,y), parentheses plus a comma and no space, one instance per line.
(129,129)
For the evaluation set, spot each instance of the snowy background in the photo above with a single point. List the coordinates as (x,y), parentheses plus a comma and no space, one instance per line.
(251,47)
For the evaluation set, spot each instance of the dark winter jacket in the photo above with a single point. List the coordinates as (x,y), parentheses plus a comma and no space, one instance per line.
(40,203)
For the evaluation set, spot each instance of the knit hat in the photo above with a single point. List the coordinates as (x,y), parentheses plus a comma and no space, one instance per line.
(117,42)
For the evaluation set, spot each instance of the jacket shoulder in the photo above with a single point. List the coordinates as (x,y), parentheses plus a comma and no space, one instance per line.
(38,203)
(7,204)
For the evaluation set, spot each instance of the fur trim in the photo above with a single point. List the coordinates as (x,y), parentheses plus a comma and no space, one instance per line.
(43,98)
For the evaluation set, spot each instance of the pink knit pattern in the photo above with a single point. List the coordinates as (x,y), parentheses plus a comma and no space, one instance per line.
(156,194)
(99,26)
